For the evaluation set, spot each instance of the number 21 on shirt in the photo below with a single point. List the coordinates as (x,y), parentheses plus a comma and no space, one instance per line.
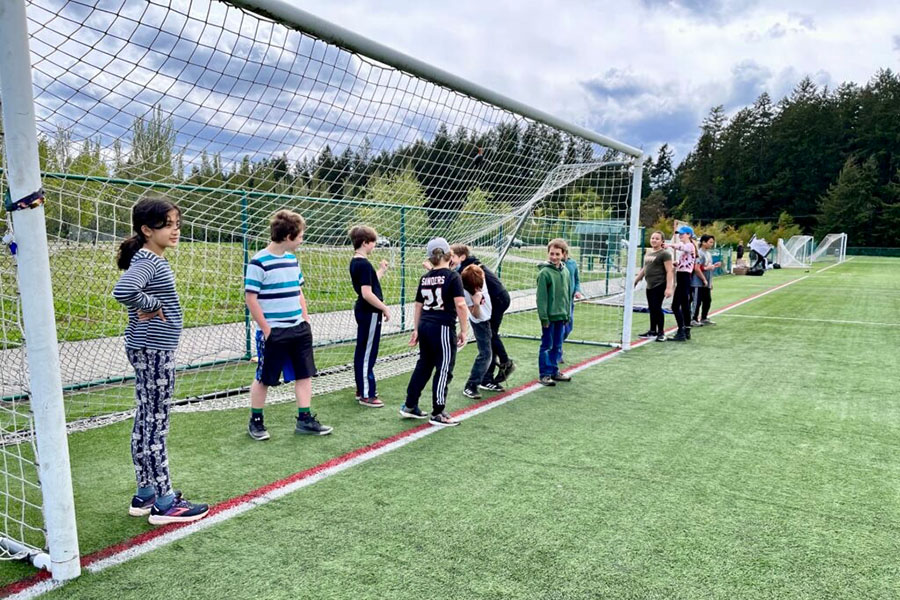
(434,300)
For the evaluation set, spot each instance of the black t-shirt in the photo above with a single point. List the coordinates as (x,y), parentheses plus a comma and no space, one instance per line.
(363,273)
(437,292)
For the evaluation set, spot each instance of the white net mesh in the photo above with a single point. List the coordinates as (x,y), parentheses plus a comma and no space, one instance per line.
(233,116)
(796,252)
(832,249)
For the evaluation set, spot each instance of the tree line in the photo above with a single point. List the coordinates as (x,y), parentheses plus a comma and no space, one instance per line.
(825,160)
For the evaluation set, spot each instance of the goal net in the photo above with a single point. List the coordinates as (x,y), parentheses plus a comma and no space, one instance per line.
(796,252)
(234,115)
(832,249)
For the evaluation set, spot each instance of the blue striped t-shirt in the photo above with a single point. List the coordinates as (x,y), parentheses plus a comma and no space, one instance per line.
(147,286)
(276,280)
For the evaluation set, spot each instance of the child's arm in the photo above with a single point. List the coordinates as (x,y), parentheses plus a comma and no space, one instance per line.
(639,276)
(417,314)
(382,270)
(250,298)
(303,307)
(370,297)
(698,269)
(462,313)
(543,299)
(670,279)
(475,309)
(577,294)
(129,290)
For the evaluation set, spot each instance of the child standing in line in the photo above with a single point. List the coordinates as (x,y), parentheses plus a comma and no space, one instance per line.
(478,301)
(702,281)
(368,311)
(554,299)
(147,288)
(575,287)
(684,267)
(660,276)
(274,294)
(440,301)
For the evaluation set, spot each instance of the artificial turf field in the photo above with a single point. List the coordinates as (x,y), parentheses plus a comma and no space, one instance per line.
(759,460)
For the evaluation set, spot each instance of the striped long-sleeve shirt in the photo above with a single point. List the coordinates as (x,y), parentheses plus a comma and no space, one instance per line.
(147,286)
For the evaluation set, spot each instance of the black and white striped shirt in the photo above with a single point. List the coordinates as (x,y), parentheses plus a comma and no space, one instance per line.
(148,285)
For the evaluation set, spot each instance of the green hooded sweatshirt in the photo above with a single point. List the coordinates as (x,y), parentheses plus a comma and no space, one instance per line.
(553,294)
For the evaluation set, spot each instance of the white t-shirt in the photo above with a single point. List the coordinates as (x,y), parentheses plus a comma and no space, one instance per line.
(484,308)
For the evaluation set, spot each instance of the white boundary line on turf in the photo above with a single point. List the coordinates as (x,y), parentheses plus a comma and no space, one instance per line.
(219,517)
(836,321)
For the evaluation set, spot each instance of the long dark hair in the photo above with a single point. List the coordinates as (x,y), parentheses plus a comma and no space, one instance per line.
(153,211)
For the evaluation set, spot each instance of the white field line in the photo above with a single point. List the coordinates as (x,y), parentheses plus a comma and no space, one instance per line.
(836,321)
(229,513)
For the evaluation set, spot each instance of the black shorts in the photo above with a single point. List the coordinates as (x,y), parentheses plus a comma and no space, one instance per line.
(287,349)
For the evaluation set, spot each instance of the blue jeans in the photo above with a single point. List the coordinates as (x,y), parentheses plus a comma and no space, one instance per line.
(551,347)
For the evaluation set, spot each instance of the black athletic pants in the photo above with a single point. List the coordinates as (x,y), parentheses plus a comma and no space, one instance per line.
(655,296)
(437,352)
(681,300)
(701,304)
(497,348)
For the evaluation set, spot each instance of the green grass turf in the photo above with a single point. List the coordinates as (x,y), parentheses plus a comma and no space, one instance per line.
(758,461)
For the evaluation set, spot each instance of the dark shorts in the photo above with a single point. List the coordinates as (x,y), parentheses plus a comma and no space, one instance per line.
(288,351)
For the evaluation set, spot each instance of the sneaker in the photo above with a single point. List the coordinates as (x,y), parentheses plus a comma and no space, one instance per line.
(661,337)
(257,430)
(412,413)
(678,337)
(687,333)
(708,322)
(181,511)
(547,380)
(311,426)
(504,371)
(370,402)
(359,396)
(492,386)
(471,393)
(140,507)
(648,334)
(560,376)
(696,323)
(443,420)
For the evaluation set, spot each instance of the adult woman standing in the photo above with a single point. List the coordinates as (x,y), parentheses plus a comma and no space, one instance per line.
(660,276)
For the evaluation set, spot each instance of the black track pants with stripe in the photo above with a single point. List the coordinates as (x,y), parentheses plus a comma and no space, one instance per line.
(368,335)
(437,352)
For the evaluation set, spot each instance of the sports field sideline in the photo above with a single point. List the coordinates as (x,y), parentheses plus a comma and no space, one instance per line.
(759,460)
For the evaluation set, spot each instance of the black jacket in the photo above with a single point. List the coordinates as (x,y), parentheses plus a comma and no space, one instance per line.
(498,293)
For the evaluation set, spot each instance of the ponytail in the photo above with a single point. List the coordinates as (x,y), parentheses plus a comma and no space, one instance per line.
(128,249)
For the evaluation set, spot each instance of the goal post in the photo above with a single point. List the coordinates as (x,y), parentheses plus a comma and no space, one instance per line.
(832,249)
(32,258)
(237,109)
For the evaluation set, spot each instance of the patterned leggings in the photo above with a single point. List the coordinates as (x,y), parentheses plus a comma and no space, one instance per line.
(154,387)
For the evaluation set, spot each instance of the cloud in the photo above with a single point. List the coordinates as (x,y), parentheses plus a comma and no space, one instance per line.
(748,80)
(720,11)
(896,40)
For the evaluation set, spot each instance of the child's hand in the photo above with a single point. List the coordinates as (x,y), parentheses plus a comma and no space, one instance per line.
(460,340)
(387,314)
(384,264)
(266,331)
(414,338)
(668,292)
(717,265)
(476,299)
(147,316)
(579,296)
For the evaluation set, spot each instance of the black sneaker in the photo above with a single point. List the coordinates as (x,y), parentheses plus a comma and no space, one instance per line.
(504,371)
(648,334)
(443,420)
(412,413)
(311,426)
(257,430)
(140,507)
(707,322)
(181,511)
(679,337)
(687,333)
(560,376)
(547,380)
(492,386)
(661,337)
(471,393)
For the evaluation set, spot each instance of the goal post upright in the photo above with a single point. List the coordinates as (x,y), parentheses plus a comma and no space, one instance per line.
(33,264)
(633,229)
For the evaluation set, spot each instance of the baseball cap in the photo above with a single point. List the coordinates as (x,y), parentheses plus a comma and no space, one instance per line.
(435,244)
(686,229)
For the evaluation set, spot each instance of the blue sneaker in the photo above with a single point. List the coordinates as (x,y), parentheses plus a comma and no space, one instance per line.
(412,413)
(140,507)
(181,511)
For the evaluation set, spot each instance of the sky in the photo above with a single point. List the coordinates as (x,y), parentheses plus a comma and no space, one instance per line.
(644,72)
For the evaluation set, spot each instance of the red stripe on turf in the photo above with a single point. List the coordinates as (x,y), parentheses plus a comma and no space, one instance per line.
(23,584)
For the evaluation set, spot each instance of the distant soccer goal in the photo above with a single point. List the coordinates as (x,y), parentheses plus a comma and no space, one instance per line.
(234,112)
(796,252)
(832,249)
